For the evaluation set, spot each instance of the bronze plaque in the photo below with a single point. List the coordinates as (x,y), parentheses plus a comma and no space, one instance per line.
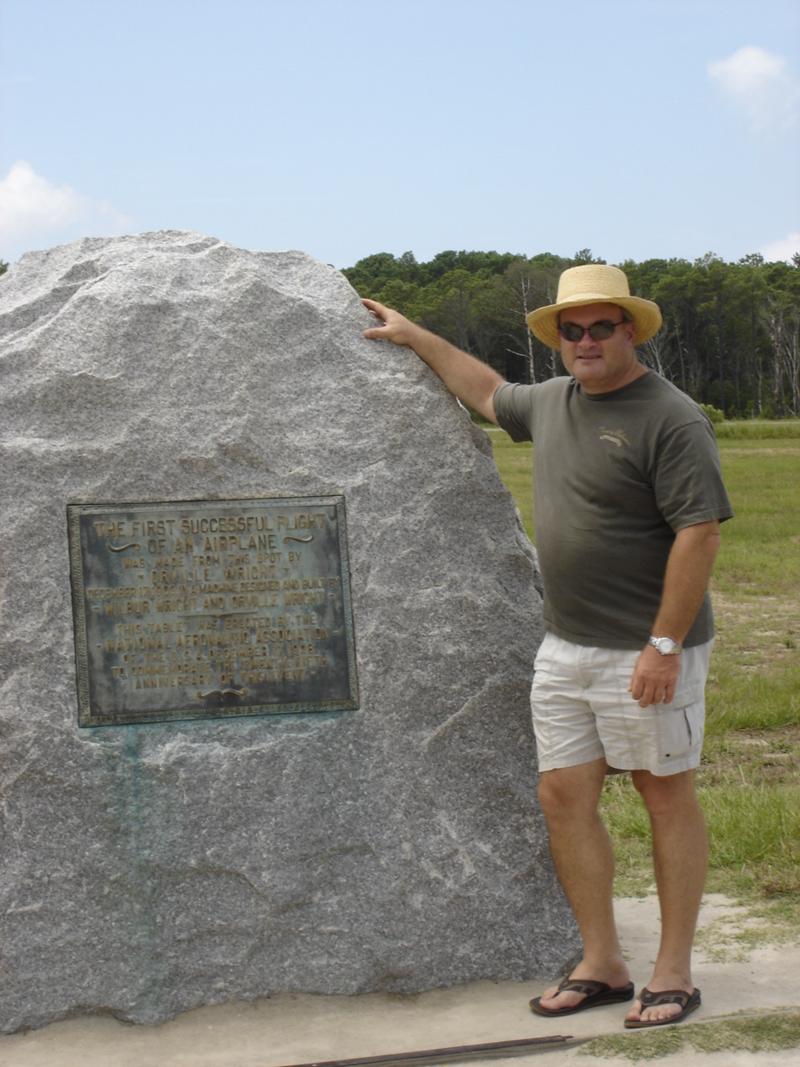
(211,608)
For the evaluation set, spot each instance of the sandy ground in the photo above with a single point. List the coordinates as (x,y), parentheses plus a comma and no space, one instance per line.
(294,1029)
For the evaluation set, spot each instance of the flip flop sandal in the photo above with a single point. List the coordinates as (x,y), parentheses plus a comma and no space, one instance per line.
(688,1002)
(596,994)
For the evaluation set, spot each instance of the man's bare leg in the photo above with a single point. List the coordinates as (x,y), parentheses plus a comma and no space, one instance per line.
(584,862)
(680,859)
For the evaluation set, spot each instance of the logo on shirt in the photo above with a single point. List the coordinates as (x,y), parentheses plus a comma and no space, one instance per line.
(616,437)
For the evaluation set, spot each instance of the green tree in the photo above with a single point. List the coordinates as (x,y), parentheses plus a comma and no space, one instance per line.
(730,338)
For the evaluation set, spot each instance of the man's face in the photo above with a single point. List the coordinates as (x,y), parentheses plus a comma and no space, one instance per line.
(600,366)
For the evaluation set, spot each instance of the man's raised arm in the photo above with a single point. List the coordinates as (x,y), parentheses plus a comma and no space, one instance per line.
(467,378)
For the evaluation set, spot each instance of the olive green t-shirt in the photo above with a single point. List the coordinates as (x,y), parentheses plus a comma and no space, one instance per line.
(616,476)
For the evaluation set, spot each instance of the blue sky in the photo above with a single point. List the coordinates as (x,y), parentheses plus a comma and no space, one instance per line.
(636,128)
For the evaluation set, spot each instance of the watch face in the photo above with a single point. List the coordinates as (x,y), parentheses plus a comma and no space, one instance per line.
(665,645)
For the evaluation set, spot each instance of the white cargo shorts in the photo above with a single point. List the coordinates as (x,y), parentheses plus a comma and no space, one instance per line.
(582,710)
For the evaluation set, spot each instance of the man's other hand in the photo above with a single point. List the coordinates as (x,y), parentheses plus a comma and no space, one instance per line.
(654,677)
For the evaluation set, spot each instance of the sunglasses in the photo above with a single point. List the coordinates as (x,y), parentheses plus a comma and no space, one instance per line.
(598,331)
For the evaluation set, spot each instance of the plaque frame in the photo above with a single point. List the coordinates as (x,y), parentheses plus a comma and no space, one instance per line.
(227,703)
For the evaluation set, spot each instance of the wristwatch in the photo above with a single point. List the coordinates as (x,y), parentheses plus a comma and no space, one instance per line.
(665,645)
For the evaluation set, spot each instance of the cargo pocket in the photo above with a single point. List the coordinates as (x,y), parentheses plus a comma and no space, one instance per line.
(679,731)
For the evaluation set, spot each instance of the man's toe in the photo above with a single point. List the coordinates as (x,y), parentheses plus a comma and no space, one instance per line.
(555,1000)
(639,1014)
(660,1013)
(635,1014)
(655,1008)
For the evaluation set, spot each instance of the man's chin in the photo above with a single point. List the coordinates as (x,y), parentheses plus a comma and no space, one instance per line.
(589,370)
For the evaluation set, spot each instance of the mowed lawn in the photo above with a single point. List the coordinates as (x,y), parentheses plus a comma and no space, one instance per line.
(748,781)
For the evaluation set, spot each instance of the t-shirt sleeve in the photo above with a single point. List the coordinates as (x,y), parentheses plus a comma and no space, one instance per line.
(513,406)
(687,479)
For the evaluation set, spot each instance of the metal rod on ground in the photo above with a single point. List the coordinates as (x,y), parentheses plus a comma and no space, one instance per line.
(457,1052)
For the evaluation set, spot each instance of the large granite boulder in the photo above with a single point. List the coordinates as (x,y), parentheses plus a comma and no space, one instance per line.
(152,868)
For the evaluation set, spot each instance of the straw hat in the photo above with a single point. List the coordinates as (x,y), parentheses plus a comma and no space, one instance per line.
(594,283)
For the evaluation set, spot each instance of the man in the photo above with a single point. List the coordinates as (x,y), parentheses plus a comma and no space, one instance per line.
(629,499)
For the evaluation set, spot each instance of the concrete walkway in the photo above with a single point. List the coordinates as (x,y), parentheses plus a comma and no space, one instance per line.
(293,1028)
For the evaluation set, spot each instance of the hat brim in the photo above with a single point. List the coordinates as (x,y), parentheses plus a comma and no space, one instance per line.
(646,316)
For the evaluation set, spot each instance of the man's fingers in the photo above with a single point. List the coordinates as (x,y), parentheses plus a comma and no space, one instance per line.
(390,325)
(378,311)
(646,693)
(638,684)
(374,307)
(653,695)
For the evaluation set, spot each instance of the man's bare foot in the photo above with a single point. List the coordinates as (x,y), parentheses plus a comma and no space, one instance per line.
(614,974)
(671,1009)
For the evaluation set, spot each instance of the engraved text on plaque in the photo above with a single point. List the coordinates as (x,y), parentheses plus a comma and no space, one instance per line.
(202,609)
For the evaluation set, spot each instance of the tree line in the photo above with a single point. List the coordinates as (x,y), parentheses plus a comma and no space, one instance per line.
(730,338)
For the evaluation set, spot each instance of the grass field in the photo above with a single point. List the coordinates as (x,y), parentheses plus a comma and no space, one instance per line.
(748,781)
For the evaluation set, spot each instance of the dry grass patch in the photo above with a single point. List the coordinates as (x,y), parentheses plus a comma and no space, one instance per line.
(764,631)
(753,1032)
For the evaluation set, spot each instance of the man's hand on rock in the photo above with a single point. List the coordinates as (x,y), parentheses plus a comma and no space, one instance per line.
(393,327)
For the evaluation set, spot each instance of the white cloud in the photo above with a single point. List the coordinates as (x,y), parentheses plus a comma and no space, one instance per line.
(36,213)
(761,85)
(784,248)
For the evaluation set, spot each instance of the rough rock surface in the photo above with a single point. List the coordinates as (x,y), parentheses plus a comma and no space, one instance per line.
(152,868)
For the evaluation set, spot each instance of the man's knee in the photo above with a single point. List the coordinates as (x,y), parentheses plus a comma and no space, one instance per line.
(551,792)
(667,794)
(571,791)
